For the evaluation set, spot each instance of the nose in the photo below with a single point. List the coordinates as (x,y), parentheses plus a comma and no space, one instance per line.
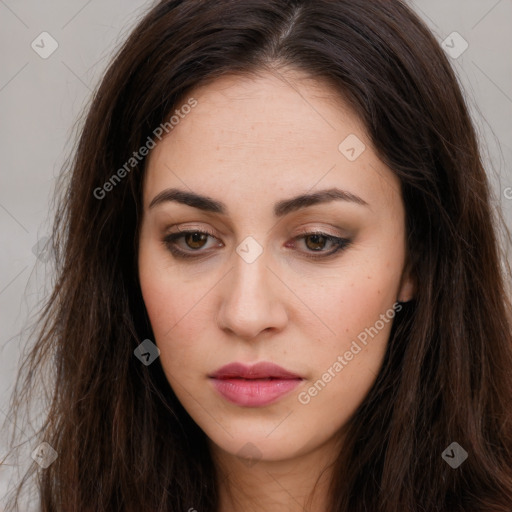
(252,300)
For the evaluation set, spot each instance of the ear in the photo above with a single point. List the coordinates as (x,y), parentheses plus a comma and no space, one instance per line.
(408,288)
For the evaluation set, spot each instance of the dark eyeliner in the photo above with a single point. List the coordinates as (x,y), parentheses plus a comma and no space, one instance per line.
(169,243)
(339,243)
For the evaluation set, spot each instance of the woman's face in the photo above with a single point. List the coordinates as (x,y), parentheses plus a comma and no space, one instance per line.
(271,234)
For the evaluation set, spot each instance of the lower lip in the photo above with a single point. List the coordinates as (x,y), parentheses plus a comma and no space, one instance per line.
(254,393)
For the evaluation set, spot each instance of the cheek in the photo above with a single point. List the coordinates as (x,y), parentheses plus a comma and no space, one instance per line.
(175,308)
(353,299)
(345,366)
(359,309)
(169,298)
(358,305)
(174,320)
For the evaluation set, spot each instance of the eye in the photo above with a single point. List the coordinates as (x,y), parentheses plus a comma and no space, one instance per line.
(194,241)
(317,242)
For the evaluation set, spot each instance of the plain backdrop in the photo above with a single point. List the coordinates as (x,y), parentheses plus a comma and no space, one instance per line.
(42,98)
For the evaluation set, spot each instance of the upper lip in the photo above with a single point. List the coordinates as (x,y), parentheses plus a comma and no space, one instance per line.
(260,370)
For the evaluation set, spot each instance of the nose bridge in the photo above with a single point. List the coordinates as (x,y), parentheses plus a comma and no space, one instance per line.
(250,280)
(250,300)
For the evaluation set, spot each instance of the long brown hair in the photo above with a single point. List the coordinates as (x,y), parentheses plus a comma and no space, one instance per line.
(123,440)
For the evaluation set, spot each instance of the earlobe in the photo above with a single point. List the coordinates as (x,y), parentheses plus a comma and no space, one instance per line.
(407,289)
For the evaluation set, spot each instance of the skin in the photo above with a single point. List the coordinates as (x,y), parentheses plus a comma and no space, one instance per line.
(250,143)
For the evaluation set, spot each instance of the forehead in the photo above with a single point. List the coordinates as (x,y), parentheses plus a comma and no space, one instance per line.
(266,133)
(281,111)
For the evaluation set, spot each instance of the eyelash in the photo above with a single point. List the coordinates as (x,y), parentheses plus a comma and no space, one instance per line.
(169,242)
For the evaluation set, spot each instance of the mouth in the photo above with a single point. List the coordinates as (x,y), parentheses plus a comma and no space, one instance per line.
(254,386)
(258,371)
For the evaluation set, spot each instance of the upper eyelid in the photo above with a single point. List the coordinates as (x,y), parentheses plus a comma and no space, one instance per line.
(305,230)
(302,234)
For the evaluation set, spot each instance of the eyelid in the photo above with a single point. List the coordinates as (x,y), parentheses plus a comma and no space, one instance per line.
(304,230)
(173,230)
(170,238)
(340,244)
(308,230)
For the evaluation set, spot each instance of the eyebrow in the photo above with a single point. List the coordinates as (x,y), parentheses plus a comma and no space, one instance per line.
(281,208)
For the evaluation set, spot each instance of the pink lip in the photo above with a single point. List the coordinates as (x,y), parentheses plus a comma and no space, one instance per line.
(253,386)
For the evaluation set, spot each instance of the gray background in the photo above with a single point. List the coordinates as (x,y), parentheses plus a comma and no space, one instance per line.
(41,99)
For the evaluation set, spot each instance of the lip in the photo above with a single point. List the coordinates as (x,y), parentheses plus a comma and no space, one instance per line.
(254,386)
(262,370)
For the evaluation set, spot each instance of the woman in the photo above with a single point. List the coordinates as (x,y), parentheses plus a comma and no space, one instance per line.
(279,280)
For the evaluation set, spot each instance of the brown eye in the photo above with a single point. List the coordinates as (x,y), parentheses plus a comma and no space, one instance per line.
(315,242)
(196,240)
(320,243)
(189,244)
